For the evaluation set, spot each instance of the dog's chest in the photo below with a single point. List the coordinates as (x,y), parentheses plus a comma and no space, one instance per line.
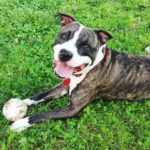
(74,81)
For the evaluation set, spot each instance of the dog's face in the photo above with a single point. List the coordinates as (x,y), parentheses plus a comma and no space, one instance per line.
(76,47)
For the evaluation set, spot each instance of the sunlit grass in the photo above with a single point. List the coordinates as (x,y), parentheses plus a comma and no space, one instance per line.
(27,30)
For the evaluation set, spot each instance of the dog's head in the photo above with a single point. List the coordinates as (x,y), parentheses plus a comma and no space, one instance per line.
(76,47)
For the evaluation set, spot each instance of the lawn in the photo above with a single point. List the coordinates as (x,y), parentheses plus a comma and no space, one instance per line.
(27,31)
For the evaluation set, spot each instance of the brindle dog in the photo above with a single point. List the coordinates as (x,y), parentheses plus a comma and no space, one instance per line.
(91,71)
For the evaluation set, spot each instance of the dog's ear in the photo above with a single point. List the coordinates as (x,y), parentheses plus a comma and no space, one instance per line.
(103,36)
(65,19)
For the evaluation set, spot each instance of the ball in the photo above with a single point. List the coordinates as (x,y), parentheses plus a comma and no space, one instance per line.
(147,50)
(14,109)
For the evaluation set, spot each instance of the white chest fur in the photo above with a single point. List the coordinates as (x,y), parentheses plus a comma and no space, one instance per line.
(74,81)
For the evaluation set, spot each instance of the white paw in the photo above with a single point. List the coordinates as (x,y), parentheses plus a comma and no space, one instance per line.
(29,101)
(32,102)
(20,124)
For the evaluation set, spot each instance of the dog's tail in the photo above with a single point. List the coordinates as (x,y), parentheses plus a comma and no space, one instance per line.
(147,49)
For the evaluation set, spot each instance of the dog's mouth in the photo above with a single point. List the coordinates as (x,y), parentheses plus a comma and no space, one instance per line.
(65,71)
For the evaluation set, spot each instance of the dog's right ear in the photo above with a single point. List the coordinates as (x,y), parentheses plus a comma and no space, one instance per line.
(65,19)
(103,36)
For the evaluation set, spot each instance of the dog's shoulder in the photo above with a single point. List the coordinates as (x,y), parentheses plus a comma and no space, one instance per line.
(118,56)
(129,60)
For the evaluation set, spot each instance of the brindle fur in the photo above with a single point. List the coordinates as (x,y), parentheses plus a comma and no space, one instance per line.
(117,76)
(120,76)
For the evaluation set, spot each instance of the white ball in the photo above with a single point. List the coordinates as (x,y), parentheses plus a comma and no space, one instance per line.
(14,109)
(147,50)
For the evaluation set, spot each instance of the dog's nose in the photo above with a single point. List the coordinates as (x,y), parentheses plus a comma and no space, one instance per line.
(65,55)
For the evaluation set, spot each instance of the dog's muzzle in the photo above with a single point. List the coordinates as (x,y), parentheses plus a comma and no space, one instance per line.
(65,55)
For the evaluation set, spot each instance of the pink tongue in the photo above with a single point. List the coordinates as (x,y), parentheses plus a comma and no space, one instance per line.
(63,70)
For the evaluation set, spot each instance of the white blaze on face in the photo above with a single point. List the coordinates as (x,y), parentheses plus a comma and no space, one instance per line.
(70,45)
(77,59)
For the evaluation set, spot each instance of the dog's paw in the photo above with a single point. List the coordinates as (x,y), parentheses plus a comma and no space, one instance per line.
(30,102)
(20,124)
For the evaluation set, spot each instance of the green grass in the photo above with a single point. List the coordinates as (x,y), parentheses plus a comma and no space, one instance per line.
(27,30)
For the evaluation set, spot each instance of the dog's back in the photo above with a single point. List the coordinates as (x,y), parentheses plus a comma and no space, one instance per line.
(121,77)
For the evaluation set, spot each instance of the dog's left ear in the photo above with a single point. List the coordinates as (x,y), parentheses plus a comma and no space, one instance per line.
(65,19)
(103,36)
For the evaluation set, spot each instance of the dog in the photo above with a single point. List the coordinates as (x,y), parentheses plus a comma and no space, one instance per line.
(90,70)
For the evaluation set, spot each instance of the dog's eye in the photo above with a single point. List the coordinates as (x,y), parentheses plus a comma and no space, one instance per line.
(65,36)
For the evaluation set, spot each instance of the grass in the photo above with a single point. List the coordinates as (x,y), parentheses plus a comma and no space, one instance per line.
(27,30)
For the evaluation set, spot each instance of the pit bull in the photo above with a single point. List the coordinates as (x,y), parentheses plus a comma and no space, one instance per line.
(90,70)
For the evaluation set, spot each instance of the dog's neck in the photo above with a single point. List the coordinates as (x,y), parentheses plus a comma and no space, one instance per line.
(74,80)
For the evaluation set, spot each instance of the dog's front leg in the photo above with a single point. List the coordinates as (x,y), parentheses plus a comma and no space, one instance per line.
(56,92)
(67,112)
(70,111)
